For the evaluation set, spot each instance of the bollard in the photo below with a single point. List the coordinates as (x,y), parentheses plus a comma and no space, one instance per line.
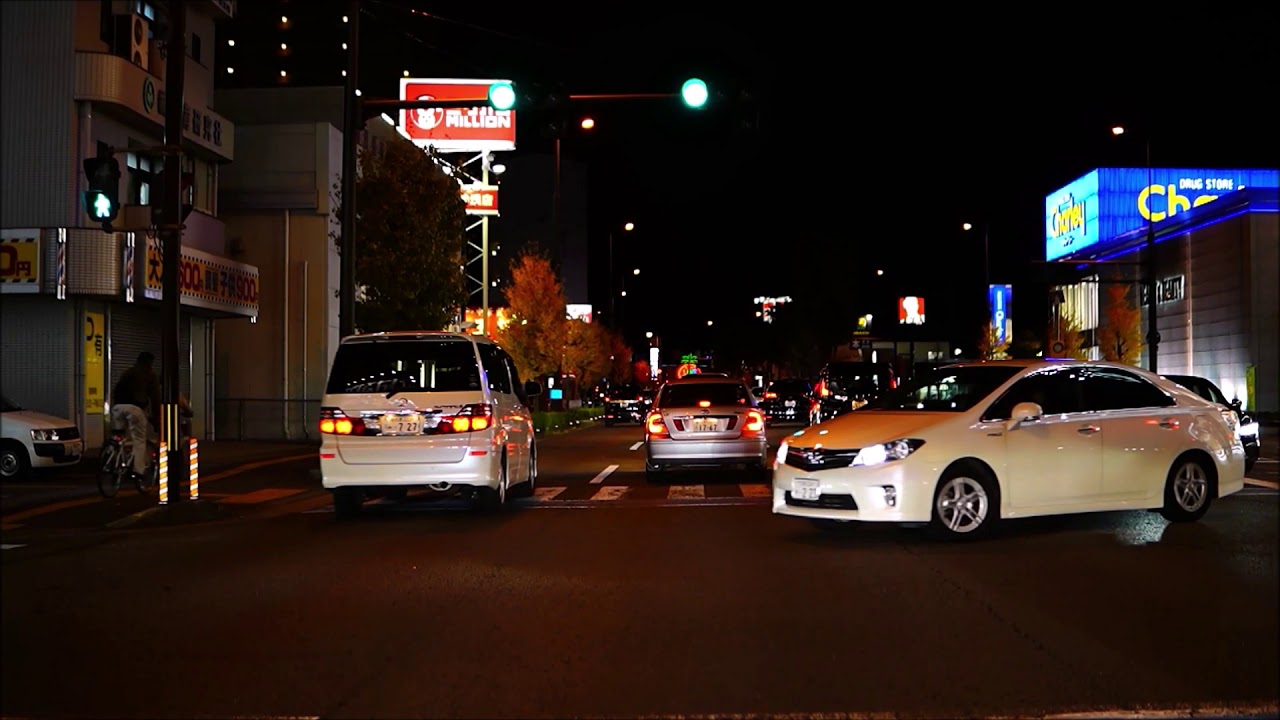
(193,466)
(164,473)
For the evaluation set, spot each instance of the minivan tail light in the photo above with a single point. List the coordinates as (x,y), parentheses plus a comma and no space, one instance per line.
(335,422)
(655,426)
(471,418)
(755,421)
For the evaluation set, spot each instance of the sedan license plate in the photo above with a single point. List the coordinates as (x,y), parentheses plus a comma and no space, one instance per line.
(804,489)
(401,424)
(705,425)
(791,403)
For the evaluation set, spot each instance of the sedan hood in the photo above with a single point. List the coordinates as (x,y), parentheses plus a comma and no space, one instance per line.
(861,428)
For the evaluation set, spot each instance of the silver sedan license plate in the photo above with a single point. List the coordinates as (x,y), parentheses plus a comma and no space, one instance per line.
(705,425)
(805,489)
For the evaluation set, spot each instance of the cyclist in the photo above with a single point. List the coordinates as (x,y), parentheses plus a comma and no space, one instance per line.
(135,402)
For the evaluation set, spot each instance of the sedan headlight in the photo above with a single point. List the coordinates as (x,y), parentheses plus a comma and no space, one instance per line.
(43,435)
(887,452)
(782,453)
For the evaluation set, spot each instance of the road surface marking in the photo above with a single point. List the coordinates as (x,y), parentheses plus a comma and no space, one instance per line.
(754,491)
(637,446)
(610,492)
(1267,460)
(686,492)
(53,507)
(237,470)
(1182,712)
(261,496)
(11,547)
(547,493)
(1262,483)
(603,474)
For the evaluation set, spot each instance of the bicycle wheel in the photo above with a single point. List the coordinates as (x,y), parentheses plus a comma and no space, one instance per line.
(147,481)
(112,467)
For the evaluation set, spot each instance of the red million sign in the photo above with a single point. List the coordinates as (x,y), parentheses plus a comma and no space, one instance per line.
(206,281)
(469,129)
(480,199)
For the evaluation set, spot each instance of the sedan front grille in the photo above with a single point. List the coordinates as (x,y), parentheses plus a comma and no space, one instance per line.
(811,459)
(824,502)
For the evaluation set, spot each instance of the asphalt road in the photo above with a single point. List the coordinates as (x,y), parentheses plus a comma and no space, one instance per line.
(640,601)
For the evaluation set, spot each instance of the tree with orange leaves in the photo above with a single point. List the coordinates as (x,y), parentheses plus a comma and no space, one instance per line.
(1120,338)
(537,330)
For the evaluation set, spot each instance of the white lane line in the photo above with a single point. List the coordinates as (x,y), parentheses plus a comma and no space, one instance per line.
(755,491)
(1262,483)
(11,547)
(547,493)
(610,492)
(686,492)
(599,478)
(637,446)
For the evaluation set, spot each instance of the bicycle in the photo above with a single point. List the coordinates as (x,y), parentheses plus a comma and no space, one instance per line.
(117,462)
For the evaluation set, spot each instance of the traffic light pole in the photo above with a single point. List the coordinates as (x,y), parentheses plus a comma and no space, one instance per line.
(170,232)
(350,130)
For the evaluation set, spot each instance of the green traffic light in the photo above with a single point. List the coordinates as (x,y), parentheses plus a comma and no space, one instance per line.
(502,96)
(694,93)
(102,207)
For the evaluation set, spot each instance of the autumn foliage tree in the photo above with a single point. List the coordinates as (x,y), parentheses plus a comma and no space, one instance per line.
(410,236)
(1120,337)
(586,351)
(621,372)
(1072,339)
(990,345)
(537,330)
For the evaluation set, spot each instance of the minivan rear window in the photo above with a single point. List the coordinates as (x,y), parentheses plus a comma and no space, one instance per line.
(409,365)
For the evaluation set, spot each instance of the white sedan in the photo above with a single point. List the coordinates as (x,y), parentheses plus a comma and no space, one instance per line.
(965,445)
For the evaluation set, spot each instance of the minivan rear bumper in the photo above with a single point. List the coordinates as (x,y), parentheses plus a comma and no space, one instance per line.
(477,468)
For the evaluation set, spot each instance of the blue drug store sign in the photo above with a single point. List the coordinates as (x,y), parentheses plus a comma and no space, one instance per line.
(1107,203)
(1000,299)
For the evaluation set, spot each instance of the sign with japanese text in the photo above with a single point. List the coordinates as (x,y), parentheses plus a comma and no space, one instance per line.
(95,332)
(20,261)
(470,129)
(206,280)
(480,199)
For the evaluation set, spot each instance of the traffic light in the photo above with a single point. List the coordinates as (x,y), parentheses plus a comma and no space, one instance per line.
(186,199)
(502,96)
(102,199)
(694,93)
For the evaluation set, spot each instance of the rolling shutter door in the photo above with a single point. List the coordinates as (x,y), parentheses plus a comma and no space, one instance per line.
(136,329)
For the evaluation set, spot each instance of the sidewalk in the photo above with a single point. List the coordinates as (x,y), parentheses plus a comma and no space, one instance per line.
(76,486)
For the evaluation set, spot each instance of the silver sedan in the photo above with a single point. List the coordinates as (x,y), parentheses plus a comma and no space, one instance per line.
(704,421)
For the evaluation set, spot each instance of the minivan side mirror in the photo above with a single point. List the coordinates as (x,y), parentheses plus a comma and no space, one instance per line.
(1024,412)
(532,387)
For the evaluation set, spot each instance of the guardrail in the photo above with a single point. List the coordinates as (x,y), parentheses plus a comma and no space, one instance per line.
(266,419)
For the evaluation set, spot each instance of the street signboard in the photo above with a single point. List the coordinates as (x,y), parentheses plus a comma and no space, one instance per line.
(480,199)
(471,129)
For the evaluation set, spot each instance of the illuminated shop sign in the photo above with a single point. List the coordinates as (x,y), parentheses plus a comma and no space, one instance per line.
(1107,203)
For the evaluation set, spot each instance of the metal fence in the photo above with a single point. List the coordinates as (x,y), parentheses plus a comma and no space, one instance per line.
(266,419)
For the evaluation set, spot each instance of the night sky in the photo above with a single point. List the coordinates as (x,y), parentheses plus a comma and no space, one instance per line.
(879,135)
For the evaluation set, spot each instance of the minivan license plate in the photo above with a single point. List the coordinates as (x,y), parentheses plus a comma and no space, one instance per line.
(804,489)
(402,424)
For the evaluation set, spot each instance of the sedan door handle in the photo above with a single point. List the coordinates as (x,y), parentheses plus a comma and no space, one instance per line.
(1169,424)
(1088,429)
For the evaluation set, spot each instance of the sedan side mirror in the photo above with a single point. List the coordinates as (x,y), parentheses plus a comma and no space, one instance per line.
(1025,412)
(532,388)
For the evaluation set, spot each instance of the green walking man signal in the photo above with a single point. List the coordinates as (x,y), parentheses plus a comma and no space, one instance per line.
(102,199)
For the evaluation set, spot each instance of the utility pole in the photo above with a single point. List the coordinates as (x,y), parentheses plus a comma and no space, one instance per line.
(613,322)
(1153,283)
(350,132)
(484,252)
(170,235)
(557,248)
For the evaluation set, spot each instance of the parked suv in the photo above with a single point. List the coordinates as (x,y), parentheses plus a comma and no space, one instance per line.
(446,411)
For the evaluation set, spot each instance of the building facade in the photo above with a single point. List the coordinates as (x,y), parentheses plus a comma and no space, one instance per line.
(78,305)
(1218,269)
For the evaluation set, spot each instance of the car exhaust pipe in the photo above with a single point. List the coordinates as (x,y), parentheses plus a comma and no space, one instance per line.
(440,486)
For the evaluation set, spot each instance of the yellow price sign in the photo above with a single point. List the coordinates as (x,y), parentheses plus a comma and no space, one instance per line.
(95,327)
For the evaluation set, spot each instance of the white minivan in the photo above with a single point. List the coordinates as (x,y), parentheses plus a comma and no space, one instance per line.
(440,410)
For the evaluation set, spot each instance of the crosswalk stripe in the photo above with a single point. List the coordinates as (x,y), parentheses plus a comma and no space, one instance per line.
(599,478)
(637,446)
(685,492)
(1262,483)
(11,547)
(547,493)
(756,490)
(610,492)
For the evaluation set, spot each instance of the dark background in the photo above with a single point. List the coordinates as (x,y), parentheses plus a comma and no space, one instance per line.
(878,135)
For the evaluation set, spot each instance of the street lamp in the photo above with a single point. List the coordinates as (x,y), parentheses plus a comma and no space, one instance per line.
(1152,267)
(636,271)
(986,254)
(879,272)
(628,227)
(710,323)
(648,335)
(588,123)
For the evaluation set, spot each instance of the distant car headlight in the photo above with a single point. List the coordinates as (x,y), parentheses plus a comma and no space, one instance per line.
(887,452)
(1249,430)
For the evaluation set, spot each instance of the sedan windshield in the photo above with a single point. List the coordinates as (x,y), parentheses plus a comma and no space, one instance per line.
(7,405)
(947,389)
(693,394)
